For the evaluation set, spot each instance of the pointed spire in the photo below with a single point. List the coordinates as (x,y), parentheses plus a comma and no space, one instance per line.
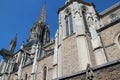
(42,17)
(13,44)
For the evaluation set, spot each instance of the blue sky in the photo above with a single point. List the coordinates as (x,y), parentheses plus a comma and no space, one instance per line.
(18,16)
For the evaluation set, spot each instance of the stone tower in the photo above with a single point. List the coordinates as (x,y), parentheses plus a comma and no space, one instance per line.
(77,42)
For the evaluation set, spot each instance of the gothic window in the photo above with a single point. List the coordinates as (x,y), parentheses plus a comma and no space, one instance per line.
(67,27)
(85,21)
(26,75)
(69,24)
(45,73)
(119,39)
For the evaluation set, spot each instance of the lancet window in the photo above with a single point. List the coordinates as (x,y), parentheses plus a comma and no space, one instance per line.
(45,73)
(119,39)
(69,22)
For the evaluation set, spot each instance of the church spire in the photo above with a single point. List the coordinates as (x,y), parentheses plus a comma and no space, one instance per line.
(13,44)
(42,17)
(40,32)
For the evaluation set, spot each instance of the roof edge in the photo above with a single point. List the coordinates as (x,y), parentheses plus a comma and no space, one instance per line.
(106,11)
(83,2)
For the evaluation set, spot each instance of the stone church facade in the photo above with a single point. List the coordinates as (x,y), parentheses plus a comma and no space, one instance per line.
(86,47)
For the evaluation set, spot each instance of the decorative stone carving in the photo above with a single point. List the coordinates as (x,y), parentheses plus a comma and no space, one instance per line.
(89,73)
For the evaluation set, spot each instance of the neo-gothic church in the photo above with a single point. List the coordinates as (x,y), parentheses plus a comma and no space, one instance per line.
(86,46)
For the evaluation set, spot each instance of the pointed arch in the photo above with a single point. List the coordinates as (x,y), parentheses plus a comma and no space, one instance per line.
(119,39)
(69,22)
(44,73)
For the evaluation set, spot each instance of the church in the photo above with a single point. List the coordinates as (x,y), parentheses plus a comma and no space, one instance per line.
(86,46)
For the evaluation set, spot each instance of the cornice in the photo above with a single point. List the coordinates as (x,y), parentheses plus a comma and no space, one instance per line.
(79,1)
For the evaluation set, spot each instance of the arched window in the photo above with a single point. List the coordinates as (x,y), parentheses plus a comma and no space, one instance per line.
(71,23)
(45,73)
(68,22)
(85,20)
(67,27)
(119,39)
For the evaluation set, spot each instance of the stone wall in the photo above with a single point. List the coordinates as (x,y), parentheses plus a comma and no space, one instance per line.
(106,19)
(109,71)
(70,56)
(45,62)
(109,40)
(13,76)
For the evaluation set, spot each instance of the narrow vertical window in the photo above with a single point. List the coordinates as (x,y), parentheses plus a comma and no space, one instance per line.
(67,27)
(85,21)
(71,23)
(119,39)
(26,76)
(68,22)
(45,73)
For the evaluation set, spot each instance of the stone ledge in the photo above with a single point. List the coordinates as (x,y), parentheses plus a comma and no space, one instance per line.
(112,63)
(114,7)
(96,68)
(108,25)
